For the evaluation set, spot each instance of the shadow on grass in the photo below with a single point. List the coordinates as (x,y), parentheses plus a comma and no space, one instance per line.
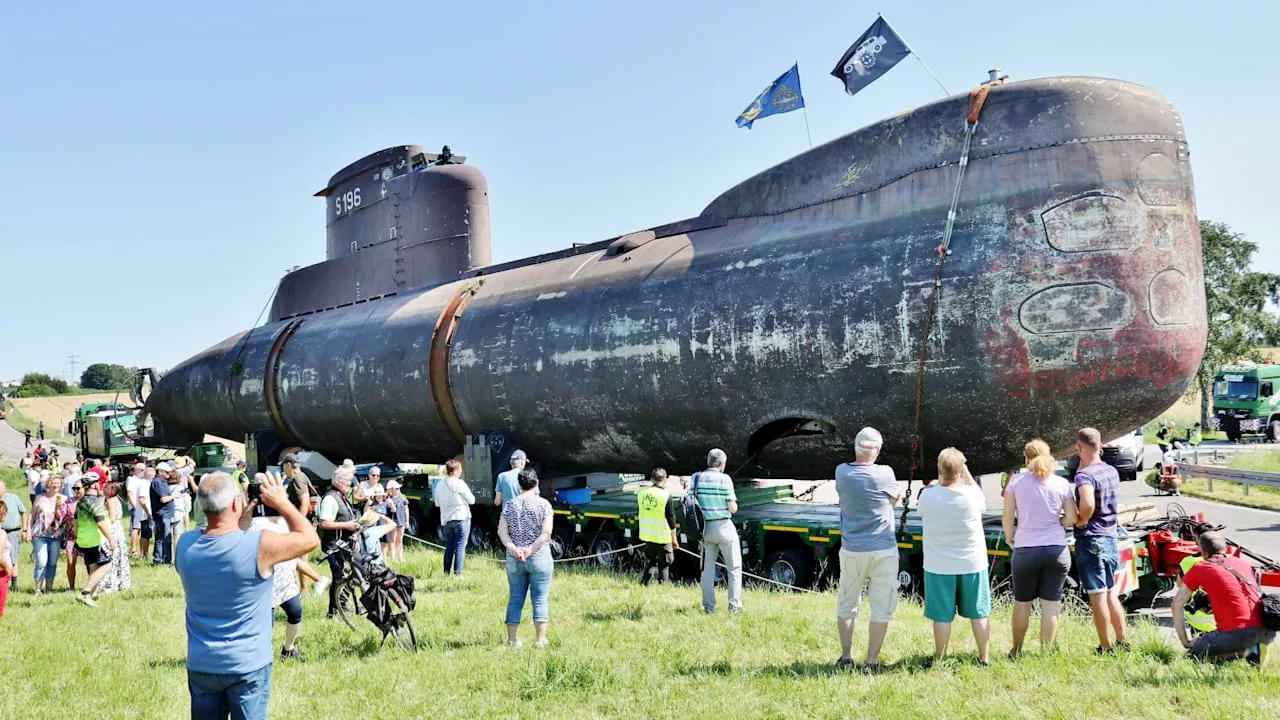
(629,612)
(428,643)
(720,667)
(169,663)
(364,646)
(911,664)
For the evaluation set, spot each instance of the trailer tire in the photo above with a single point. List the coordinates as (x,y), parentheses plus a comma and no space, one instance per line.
(1273,431)
(482,538)
(561,541)
(792,567)
(607,541)
(416,524)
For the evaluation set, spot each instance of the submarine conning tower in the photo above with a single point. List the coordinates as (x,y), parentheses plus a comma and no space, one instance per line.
(397,221)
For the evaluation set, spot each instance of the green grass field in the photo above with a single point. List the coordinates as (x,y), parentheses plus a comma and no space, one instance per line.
(617,650)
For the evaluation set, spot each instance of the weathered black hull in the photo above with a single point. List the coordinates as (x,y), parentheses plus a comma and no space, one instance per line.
(1074,296)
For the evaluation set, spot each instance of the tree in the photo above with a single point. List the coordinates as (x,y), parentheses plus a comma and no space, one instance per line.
(1236,302)
(104,376)
(30,390)
(58,385)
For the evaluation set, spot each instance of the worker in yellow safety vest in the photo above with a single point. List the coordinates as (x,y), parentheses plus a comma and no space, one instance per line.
(657,527)
(240,475)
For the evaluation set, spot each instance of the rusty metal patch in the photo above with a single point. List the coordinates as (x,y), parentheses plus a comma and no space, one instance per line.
(1092,223)
(1072,308)
(1169,297)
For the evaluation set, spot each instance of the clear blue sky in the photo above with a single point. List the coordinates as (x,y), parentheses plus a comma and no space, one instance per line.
(157,160)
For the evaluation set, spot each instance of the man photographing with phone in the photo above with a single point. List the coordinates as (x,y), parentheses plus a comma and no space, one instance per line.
(226,572)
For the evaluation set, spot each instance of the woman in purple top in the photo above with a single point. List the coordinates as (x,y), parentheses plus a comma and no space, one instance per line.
(1038,508)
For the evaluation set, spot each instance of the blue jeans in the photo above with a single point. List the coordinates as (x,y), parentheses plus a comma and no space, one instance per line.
(242,696)
(45,551)
(456,533)
(533,576)
(162,550)
(1097,558)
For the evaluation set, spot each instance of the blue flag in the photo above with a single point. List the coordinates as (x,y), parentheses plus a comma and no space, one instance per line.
(782,95)
(870,56)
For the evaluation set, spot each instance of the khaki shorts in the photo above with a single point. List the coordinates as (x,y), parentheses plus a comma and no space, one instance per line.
(875,571)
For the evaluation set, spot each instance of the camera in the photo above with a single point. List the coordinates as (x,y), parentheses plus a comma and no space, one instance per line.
(261,509)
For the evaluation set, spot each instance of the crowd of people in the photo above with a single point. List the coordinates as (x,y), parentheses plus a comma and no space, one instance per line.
(74,511)
(1039,507)
(250,554)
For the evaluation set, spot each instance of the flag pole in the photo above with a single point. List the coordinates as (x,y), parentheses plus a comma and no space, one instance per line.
(916,55)
(805,108)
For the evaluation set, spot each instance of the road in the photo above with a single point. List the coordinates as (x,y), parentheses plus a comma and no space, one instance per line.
(11,446)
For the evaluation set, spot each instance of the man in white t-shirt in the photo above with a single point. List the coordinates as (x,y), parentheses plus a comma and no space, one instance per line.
(955,554)
(137,487)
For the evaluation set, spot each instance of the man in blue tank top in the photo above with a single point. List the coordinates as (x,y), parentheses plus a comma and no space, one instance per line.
(226,573)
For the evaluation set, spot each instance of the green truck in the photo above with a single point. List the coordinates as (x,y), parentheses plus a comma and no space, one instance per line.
(1246,400)
(107,431)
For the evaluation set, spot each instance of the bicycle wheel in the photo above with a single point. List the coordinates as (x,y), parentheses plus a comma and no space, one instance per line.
(348,603)
(399,625)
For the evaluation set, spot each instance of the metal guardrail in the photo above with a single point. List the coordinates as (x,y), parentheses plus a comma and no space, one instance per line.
(1244,477)
(1213,453)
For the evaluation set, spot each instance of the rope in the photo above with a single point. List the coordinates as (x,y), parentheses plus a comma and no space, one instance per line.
(589,556)
(977,100)
(750,575)
(593,556)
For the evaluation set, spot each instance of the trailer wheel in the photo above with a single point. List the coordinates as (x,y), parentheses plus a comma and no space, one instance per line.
(790,567)
(1273,431)
(482,538)
(561,541)
(416,523)
(606,541)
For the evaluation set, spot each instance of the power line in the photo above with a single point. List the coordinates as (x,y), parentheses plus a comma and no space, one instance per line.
(72,359)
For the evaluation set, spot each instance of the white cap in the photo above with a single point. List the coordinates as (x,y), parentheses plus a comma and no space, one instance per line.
(165,467)
(393,485)
(869,439)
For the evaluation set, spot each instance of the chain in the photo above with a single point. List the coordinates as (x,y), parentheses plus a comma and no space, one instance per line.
(977,100)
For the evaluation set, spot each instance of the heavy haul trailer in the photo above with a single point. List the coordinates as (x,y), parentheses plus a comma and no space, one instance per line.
(796,542)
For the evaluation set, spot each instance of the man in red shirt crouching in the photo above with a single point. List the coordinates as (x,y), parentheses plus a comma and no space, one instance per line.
(1236,601)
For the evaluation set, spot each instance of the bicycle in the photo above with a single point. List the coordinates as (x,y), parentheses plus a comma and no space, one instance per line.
(382,595)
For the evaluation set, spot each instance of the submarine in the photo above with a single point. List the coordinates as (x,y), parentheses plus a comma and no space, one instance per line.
(812,299)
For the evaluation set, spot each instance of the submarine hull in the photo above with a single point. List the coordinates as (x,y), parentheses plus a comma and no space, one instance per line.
(788,315)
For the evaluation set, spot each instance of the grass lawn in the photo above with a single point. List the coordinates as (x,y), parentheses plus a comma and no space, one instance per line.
(617,651)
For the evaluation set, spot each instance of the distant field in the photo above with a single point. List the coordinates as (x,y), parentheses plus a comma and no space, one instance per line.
(57,411)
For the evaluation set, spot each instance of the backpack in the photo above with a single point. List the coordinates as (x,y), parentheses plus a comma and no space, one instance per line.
(689,505)
(1270,602)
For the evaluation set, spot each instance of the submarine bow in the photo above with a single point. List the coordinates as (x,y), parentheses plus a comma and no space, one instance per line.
(776,324)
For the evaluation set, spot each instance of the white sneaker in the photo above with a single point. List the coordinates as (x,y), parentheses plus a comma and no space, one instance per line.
(542,643)
(320,586)
(515,643)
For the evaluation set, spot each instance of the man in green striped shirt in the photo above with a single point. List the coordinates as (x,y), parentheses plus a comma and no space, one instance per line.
(713,490)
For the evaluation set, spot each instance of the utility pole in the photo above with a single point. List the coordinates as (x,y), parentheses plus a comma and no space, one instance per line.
(73,379)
